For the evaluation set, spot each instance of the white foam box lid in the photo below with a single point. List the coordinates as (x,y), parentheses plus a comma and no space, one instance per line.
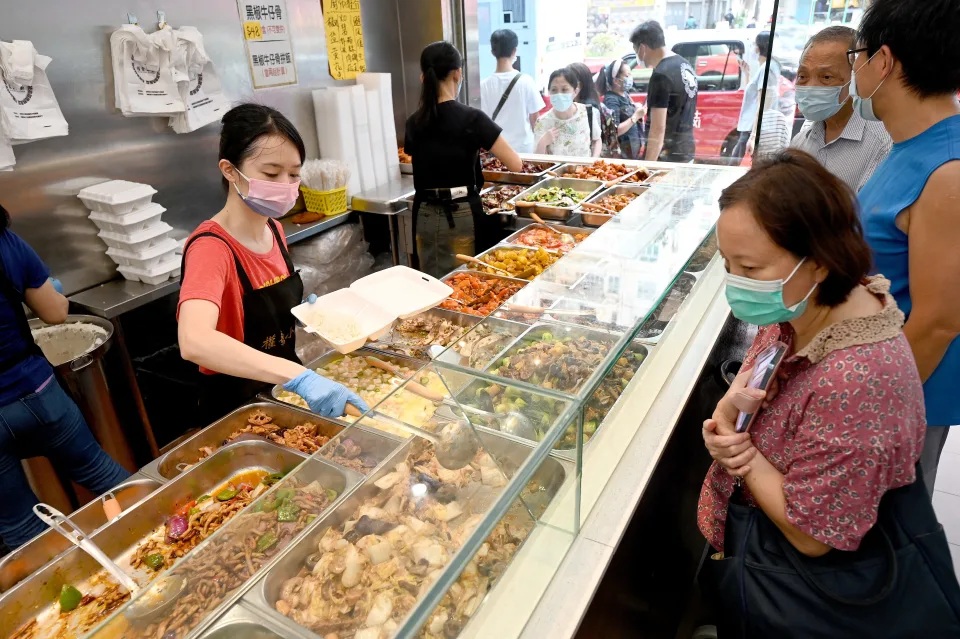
(402,291)
(132,222)
(117,196)
(158,274)
(145,258)
(373,321)
(139,241)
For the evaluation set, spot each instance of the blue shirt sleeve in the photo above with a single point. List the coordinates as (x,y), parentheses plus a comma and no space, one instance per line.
(24,267)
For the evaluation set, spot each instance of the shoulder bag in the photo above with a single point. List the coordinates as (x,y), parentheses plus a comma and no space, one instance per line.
(506,94)
(900,583)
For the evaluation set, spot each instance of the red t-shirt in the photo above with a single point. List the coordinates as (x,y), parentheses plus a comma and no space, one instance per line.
(210,274)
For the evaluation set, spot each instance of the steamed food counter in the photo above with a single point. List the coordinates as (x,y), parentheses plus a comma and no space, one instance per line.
(354,528)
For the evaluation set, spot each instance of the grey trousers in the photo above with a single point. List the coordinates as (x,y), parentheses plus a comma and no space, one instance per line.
(930,458)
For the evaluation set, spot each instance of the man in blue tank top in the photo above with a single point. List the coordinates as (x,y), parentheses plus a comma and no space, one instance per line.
(907,74)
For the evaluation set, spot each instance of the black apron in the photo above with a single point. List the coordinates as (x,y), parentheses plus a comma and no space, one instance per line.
(487,229)
(268,326)
(29,347)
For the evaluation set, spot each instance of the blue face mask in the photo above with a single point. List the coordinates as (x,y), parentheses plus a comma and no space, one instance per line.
(561,101)
(864,106)
(627,82)
(819,103)
(761,302)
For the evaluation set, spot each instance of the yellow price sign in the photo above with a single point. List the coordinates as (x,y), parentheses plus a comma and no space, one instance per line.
(253,30)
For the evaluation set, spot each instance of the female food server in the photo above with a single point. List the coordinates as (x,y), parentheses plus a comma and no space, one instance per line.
(37,416)
(239,284)
(444,139)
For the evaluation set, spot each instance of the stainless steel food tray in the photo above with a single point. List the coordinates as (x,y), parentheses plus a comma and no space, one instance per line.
(599,219)
(564,169)
(499,247)
(498,186)
(558,213)
(452,274)
(655,323)
(174,462)
(376,444)
(509,453)
(509,177)
(387,343)
(334,356)
(513,237)
(120,538)
(243,622)
(500,326)
(39,551)
(406,168)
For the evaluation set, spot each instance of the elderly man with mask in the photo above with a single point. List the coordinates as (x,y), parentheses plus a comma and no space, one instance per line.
(847,145)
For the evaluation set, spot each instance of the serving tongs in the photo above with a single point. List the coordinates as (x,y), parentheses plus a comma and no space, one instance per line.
(596,208)
(63,525)
(155,599)
(472,260)
(539,310)
(566,238)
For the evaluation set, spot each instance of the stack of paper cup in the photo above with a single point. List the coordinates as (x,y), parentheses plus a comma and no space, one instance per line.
(130,226)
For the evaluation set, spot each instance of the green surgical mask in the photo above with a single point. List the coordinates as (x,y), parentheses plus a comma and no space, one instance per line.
(761,302)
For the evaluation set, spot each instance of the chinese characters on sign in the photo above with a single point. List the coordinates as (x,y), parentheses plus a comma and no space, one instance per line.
(341,19)
(267,35)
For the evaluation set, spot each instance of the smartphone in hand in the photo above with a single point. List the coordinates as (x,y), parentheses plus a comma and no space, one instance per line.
(765,369)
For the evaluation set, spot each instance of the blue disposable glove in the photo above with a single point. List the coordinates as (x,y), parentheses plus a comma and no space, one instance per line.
(57,285)
(323,396)
(311,299)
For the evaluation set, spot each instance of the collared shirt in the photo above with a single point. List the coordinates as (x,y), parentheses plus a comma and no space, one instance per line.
(854,155)
(846,426)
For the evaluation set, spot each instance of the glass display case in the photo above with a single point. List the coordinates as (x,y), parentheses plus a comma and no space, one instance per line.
(467,480)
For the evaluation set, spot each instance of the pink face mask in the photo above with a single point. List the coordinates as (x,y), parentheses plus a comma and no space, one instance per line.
(269,199)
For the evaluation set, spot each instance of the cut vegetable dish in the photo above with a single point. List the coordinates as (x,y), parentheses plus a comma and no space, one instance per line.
(554,196)
(499,198)
(559,363)
(414,336)
(304,437)
(524,264)
(478,295)
(368,572)
(610,389)
(369,382)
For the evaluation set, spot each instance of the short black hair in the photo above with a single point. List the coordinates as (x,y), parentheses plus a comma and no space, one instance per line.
(763,43)
(807,210)
(567,74)
(503,43)
(649,34)
(922,37)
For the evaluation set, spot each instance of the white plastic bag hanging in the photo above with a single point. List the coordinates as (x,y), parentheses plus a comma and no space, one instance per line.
(7,159)
(200,88)
(28,107)
(143,71)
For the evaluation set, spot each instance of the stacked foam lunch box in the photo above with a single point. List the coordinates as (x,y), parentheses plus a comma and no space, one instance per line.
(130,225)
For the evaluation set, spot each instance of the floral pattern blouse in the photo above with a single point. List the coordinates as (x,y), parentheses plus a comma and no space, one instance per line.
(574,135)
(846,427)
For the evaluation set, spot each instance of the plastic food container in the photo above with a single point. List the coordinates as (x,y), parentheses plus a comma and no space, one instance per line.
(342,307)
(132,222)
(161,272)
(146,259)
(137,242)
(402,291)
(118,197)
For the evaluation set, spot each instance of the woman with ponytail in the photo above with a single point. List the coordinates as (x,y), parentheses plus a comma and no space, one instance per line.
(444,138)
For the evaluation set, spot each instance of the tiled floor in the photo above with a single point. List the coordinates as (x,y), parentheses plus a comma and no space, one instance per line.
(946,498)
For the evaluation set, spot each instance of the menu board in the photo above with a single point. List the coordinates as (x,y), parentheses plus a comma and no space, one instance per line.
(344,31)
(266,31)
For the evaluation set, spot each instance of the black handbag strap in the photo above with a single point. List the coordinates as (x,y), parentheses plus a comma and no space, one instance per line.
(506,94)
(791,553)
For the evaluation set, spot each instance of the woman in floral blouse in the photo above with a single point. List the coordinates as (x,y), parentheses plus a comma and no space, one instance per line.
(568,128)
(846,423)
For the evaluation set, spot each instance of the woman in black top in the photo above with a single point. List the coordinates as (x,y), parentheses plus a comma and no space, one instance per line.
(615,83)
(444,138)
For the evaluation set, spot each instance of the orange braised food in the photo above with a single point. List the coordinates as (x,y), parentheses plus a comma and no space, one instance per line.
(478,295)
(599,170)
(545,238)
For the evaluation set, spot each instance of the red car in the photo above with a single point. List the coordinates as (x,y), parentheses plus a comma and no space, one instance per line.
(714,56)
